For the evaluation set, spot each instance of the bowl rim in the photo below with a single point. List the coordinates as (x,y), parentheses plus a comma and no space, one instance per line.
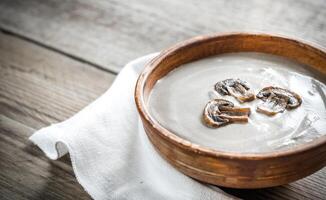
(200,149)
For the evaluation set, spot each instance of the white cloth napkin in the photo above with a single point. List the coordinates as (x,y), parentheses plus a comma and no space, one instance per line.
(110,152)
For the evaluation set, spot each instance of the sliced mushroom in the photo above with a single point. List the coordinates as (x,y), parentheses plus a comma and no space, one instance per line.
(276,100)
(220,112)
(236,88)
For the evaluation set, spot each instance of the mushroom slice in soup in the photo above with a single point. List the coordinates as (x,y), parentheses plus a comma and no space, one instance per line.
(277,100)
(236,88)
(220,112)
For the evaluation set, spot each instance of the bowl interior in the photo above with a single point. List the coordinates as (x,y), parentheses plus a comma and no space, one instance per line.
(178,99)
(202,47)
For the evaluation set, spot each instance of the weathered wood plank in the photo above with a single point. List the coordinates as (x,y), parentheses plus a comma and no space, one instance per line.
(39,87)
(26,174)
(311,187)
(110,33)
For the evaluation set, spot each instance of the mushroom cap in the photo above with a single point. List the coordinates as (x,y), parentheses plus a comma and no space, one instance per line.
(212,111)
(293,100)
(220,112)
(235,87)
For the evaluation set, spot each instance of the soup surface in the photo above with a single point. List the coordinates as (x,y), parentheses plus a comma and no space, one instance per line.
(177,102)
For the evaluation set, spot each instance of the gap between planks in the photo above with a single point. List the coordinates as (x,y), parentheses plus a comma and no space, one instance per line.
(33,41)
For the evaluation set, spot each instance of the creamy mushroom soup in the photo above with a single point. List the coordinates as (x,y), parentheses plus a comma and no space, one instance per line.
(177,102)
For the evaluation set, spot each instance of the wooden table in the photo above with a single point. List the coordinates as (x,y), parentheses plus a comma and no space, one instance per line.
(58,56)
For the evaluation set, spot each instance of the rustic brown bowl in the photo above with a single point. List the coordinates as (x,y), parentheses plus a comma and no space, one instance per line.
(227,169)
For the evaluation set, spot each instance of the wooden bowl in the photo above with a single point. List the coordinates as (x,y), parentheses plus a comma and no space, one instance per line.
(227,169)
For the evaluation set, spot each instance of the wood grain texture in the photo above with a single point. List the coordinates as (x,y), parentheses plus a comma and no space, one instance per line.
(26,173)
(110,33)
(39,87)
(235,170)
(40,83)
(42,86)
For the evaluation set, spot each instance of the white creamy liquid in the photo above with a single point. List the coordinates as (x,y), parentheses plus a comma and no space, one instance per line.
(177,102)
